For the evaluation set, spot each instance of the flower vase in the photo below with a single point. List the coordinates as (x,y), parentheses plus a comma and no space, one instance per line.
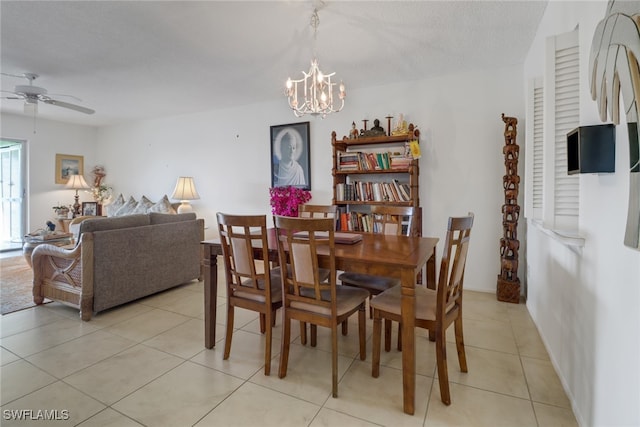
(285,200)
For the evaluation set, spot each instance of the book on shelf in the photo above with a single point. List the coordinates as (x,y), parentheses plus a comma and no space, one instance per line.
(356,221)
(402,190)
(348,162)
(400,163)
(405,193)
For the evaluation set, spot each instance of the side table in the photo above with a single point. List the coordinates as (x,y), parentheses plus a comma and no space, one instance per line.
(30,244)
(63,224)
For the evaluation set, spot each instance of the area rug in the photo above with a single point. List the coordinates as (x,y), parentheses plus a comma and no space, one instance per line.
(16,281)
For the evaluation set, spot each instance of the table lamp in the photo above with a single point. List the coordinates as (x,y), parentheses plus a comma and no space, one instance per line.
(185,190)
(76,182)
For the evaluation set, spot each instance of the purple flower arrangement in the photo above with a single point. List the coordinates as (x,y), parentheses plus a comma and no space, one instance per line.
(285,200)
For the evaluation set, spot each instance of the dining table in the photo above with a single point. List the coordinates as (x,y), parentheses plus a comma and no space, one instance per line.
(403,257)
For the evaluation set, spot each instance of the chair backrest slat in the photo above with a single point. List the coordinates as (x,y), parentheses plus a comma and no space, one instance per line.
(453,263)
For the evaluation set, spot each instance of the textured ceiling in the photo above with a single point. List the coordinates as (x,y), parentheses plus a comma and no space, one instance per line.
(132,60)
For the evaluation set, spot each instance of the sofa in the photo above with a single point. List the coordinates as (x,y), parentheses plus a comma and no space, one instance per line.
(118,260)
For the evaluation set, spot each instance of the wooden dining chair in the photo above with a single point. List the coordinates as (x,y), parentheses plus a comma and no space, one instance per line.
(316,211)
(398,220)
(249,287)
(436,309)
(308,299)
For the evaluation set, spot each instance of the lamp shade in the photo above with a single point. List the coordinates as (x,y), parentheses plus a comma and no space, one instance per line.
(76,182)
(185,189)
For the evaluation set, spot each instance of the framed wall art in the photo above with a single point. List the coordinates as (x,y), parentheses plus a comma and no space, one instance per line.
(90,208)
(67,165)
(290,156)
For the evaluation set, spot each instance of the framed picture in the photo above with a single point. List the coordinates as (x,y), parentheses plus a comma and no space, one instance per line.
(67,165)
(290,156)
(90,208)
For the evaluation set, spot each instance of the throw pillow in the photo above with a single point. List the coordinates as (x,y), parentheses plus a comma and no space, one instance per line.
(143,206)
(127,208)
(163,206)
(113,207)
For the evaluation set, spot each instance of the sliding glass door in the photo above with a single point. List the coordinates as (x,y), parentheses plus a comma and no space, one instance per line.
(13,193)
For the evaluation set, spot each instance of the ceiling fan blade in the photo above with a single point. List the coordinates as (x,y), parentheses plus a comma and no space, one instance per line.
(12,95)
(21,76)
(69,106)
(58,95)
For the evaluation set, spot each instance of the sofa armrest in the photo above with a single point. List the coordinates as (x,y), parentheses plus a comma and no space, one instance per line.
(65,275)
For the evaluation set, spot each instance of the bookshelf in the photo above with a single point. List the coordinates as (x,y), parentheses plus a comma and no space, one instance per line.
(374,170)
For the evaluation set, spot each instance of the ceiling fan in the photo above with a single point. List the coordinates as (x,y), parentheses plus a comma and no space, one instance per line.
(32,94)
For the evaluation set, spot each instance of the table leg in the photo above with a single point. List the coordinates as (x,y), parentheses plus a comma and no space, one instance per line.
(408,341)
(210,264)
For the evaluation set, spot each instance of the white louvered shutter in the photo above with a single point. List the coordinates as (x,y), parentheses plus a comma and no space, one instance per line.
(563,114)
(534,185)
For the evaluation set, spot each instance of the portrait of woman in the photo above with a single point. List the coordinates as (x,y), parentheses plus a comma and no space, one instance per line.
(290,161)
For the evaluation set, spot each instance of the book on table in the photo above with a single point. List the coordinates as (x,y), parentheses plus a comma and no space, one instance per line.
(339,237)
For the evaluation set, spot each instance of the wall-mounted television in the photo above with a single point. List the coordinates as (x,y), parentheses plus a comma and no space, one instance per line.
(591,149)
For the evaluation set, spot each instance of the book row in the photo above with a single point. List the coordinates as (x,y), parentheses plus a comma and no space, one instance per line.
(358,221)
(359,161)
(364,191)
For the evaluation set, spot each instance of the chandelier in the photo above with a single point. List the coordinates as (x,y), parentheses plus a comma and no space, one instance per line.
(315,95)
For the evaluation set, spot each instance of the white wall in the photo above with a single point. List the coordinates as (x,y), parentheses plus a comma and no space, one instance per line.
(50,138)
(228,151)
(585,300)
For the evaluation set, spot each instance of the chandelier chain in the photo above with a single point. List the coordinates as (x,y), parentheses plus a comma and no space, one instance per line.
(315,23)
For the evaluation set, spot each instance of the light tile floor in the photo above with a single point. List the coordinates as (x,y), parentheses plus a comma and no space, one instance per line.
(145,364)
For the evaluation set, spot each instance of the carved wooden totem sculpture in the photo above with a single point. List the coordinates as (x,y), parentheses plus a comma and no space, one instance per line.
(508,281)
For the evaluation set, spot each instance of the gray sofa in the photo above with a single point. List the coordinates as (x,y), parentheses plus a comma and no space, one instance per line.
(118,260)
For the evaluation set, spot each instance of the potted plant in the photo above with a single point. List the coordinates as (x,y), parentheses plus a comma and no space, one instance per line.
(61,211)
